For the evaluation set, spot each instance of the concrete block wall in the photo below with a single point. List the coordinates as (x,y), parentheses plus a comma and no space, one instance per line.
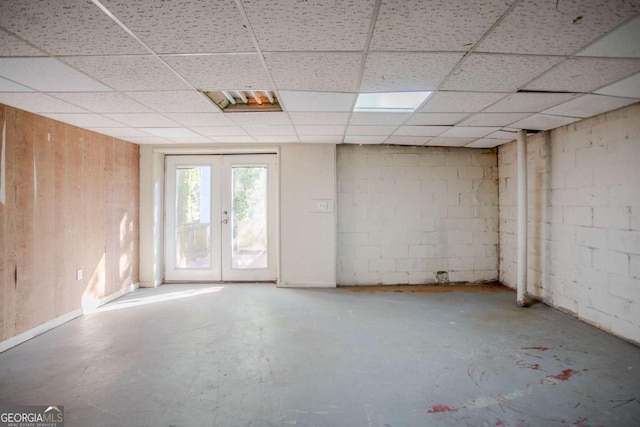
(407,213)
(584,219)
(68,201)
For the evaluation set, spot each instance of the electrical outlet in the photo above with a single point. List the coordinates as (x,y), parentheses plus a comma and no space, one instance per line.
(79,274)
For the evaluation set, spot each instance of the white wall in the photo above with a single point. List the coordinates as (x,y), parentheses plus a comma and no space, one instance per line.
(307,232)
(406,213)
(584,219)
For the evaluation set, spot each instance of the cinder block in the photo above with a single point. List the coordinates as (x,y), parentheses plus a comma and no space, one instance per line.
(578,215)
(624,195)
(382,266)
(612,217)
(461,276)
(470,172)
(623,287)
(422,251)
(431,265)
(421,278)
(611,261)
(397,278)
(596,195)
(409,265)
(591,237)
(630,330)
(379,159)
(445,172)
(406,160)
(635,218)
(395,251)
(634,266)
(485,237)
(368,252)
(624,241)
(485,263)
(460,211)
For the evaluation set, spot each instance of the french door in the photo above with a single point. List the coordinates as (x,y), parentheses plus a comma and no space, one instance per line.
(220,218)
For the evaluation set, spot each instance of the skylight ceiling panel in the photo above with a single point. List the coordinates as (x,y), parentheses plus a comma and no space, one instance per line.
(185,26)
(623,42)
(449,142)
(551,27)
(67,27)
(493,119)
(222,71)
(261,119)
(327,71)
(311,25)
(584,74)
(47,75)
(400,71)
(528,102)
(486,143)
(201,119)
(129,73)
(442,25)
(83,120)
(142,119)
(375,119)
(320,130)
(629,87)
(498,73)
(38,103)
(9,86)
(543,122)
(370,130)
(104,102)
(337,119)
(421,130)
(174,101)
(317,101)
(14,46)
(460,102)
(589,105)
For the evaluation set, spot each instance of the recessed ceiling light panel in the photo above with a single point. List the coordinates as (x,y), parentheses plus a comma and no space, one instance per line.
(244,101)
(390,101)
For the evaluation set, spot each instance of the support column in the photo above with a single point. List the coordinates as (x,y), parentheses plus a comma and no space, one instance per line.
(522,219)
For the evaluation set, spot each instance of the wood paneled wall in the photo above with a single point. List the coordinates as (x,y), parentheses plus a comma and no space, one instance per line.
(71,202)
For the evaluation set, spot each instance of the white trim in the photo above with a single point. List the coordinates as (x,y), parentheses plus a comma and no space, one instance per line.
(153,284)
(306,285)
(104,300)
(60,320)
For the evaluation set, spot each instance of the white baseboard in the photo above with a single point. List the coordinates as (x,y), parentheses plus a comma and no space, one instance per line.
(306,285)
(153,284)
(54,323)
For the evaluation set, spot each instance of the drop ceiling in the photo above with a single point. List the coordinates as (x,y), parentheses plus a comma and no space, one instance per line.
(136,70)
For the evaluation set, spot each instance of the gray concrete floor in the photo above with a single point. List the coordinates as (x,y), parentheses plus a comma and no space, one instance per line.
(254,355)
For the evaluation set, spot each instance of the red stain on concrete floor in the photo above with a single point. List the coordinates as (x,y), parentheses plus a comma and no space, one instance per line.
(435,409)
(563,376)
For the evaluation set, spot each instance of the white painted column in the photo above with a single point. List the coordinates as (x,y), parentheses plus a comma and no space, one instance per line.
(522,218)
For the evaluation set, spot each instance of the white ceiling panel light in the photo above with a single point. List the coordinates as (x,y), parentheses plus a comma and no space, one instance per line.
(316,101)
(589,105)
(387,102)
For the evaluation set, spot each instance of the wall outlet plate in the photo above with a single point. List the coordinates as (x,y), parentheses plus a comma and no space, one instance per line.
(79,274)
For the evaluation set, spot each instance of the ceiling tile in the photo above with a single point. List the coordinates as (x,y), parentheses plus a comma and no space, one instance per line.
(129,73)
(38,103)
(321,139)
(493,119)
(261,119)
(389,71)
(327,71)
(551,27)
(47,75)
(629,87)
(185,26)
(258,131)
(320,130)
(442,25)
(436,119)
(9,86)
(148,140)
(103,102)
(175,102)
(328,25)
(122,132)
(449,142)
(83,120)
(407,140)
(359,139)
(370,130)
(503,134)
(497,73)
(584,74)
(337,119)
(142,119)
(376,119)
(13,46)
(201,119)
(233,139)
(485,143)
(469,132)
(169,133)
(276,139)
(623,42)
(316,101)
(459,102)
(222,71)
(542,122)
(421,130)
(67,27)
(220,131)
(589,105)
(528,102)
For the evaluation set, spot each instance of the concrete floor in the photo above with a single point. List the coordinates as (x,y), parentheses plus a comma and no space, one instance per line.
(254,355)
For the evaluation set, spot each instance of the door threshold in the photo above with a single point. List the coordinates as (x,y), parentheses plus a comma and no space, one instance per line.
(221,282)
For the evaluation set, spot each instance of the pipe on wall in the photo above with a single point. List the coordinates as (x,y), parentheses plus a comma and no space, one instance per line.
(522,219)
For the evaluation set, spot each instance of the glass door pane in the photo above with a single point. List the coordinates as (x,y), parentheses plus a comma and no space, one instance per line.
(249,241)
(193,217)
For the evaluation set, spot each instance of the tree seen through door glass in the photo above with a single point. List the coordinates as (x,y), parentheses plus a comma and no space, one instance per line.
(249,217)
(193,217)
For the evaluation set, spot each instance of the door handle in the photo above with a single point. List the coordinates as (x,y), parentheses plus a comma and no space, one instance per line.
(225,221)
